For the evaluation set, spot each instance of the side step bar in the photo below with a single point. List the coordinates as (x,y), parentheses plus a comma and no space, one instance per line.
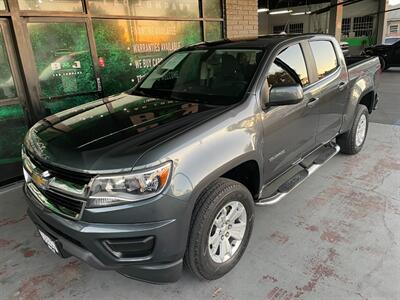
(300,177)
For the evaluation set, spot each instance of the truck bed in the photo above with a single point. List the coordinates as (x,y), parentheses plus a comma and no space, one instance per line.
(360,65)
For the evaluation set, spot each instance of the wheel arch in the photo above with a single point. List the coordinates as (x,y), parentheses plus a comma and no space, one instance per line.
(245,169)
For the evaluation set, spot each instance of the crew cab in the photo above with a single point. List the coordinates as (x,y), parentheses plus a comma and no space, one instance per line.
(172,170)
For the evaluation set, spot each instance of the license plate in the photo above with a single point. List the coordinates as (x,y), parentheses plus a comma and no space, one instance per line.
(49,242)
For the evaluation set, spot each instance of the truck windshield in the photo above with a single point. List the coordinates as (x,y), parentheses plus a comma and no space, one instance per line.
(214,76)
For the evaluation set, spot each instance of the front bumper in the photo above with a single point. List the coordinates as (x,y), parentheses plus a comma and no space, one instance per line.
(89,241)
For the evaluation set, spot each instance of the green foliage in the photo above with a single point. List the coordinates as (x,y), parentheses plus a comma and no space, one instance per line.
(13,130)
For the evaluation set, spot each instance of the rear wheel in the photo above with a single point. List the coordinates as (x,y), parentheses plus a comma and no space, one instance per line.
(352,141)
(221,227)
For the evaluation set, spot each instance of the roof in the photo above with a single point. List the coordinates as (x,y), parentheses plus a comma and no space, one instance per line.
(264,41)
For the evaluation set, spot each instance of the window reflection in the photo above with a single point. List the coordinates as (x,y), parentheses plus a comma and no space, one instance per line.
(213,31)
(151,8)
(7,86)
(293,58)
(212,8)
(51,5)
(137,113)
(13,130)
(279,77)
(63,59)
(325,57)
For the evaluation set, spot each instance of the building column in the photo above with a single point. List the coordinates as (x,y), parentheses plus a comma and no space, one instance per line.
(335,19)
(381,22)
(241,18)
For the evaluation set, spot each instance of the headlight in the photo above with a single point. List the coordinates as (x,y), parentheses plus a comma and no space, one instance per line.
(119,189)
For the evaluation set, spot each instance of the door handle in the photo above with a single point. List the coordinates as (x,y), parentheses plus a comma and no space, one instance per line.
(342,86)
(312,101)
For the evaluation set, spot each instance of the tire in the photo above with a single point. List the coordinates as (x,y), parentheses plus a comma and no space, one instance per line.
(384,65)
(217,197)
(348,142)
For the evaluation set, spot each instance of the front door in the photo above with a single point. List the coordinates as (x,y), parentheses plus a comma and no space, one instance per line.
(12,112)
(332,82)
(289,130)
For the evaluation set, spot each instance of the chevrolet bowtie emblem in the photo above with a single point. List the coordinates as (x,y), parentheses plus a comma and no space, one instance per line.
(41,179)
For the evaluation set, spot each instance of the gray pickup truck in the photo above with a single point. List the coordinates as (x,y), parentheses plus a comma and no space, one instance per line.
(171,170)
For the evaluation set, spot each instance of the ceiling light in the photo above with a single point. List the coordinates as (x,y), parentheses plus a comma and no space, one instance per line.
(261,10)
(300,13)
(280,12)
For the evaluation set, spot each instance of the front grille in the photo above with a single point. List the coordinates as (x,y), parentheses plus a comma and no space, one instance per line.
(75,177)
(60,204)
(68,206)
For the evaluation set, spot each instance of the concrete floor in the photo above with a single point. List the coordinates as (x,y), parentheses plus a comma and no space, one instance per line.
(388,111)
(336,237)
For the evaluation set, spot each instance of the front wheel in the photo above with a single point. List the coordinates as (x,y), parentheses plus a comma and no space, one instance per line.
(221,227)
(352,141)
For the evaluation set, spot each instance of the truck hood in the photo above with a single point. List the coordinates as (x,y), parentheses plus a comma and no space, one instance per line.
(111,134)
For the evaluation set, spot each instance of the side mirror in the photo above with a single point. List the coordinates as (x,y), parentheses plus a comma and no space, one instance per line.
(285,95)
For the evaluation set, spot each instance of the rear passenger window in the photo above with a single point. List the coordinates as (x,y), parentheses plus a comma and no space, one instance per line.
(293,57)
(325,57)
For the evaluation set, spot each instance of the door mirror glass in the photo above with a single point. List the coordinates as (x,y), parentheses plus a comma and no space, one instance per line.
(285,95)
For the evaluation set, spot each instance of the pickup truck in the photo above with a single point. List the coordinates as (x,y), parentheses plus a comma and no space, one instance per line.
(170,172)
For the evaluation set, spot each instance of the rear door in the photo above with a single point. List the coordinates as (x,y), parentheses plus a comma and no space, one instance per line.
(289,130)
(331,88)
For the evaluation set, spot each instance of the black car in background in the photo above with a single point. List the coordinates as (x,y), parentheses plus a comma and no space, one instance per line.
(389,55)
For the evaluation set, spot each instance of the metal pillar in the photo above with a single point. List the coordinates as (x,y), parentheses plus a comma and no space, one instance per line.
(335,19)
(381,21)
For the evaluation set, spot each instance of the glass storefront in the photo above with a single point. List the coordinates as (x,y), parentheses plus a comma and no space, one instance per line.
(12,121)
(213,31)
(7,85)
(129,48)
(51,5)
(212,8)
(146,8)
(63,62)
(99,48)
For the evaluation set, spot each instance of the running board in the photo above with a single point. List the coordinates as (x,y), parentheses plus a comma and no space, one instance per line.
(300,177)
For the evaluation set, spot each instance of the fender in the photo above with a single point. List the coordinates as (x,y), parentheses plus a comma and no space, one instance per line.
(361,87)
